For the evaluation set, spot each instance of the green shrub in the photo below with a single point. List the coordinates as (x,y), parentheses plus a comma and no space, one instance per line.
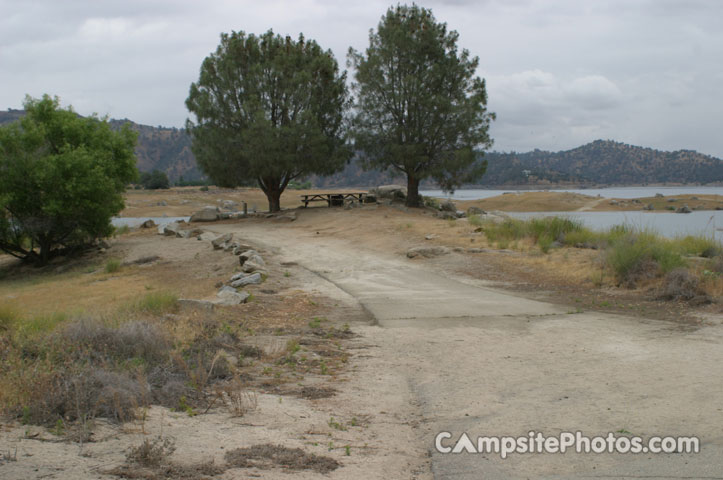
(8,318)
(636,256)
(112,265)
(475,220)
(157,303)
(699,245)
(545,242)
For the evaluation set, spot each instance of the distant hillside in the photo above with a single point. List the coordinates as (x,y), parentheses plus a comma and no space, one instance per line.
(158,148)
(602,162)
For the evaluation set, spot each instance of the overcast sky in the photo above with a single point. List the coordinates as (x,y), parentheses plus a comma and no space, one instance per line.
(560,73)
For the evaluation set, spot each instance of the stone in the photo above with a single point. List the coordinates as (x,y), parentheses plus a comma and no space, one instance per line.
(460,214)
(448,206)
(162,203)
(427,252)
(206,236)
(148,224)
(253,279)
(475,211)
(649,207)
(192,304)
(392,192)
(614,202)
(251,265)
(247,255)
(193,232)
(207,214)
(218,242)
(229,296)
(659,195)
(683,209)
(430,236)
(230,205)
(172,229)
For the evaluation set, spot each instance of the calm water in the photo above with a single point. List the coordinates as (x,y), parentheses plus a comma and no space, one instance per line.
(613,192)
(136,221)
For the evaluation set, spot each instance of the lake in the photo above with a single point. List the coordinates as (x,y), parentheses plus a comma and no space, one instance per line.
(612,192)
(136,221)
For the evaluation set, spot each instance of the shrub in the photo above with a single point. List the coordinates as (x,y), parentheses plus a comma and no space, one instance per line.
(157,303)
(699,245)
(8,318)
(154,180)
(680,284)
(637,256)
(112,265)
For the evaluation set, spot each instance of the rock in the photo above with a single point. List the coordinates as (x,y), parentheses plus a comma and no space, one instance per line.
(253,264)
(447,215)
(694,198)
(649,207)
(460,214)
(614,202)
(193,232)
(477,250)
(391,192)
(683,209)
(671,200)
(206,236)
(475,211)
(218,242)
(430,236)
(229,296)
(172,229)
(208,214)
(239,248)
(448,206)
(636,200)
(253,279)
(230,205)
(162,203)
(659,195)
(370,198)
(350,203)
(192,304)
(427,251)
(289,217)
(148,224)
(245,255)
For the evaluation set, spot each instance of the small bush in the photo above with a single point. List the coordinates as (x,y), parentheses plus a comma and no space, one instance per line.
(157,303)
(151,453)
(8,318)
(122,230)
(112,265)
(545,242)
(680,284)
(475,220)
(699,245)
(637,256)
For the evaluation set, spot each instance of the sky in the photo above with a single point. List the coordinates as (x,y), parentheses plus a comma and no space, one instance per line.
(559,73)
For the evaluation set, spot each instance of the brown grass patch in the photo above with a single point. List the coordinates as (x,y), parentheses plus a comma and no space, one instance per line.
(270,456)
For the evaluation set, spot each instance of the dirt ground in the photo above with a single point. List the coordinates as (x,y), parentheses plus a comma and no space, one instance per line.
(461,341)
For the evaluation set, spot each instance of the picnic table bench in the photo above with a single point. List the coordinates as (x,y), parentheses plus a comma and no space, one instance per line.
(332,199)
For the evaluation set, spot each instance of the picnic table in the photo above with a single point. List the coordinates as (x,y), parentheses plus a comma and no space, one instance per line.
(332,199)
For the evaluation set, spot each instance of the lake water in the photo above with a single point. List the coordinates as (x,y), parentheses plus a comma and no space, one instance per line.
(708,223)
(136,221)
(612,192)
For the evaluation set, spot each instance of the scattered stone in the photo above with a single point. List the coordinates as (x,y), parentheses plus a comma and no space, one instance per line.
(192,304)
(427,251)
(193,232)
(649,207)
(636,200)
(254,264)
(148,224)
(208,214)
(219,241)
(171,229)
(659,195)
(230,205)
(614,202)
(289,217)
(253,279)
(430,236)
(460,214)
(229,296)
(391,192)
(683,209)
(475,211)
(448,206)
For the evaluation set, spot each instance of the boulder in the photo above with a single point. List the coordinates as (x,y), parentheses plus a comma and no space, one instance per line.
(243,256)
(427,251)
(206,236)
(475,211)
(230,205)
(659,195)
(254,264)
(649,207)
(430,236)
(218,242)
(460,214)
(392,192)
(207,214)
(448,206)
(229,296)
(683,209)
(172,229)
(253,279)
(193,232)
(148,224)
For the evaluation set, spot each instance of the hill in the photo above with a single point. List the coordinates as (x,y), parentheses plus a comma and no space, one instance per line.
(602,162)
(158,148)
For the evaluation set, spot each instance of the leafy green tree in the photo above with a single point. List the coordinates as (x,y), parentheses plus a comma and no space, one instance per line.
(62,177)
(420,109)
(269,109)
(154,180)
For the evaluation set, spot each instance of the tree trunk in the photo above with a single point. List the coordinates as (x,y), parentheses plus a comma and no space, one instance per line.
(274,196)
(413,198)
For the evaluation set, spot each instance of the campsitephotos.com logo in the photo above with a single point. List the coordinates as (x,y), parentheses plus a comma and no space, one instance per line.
(536,442)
